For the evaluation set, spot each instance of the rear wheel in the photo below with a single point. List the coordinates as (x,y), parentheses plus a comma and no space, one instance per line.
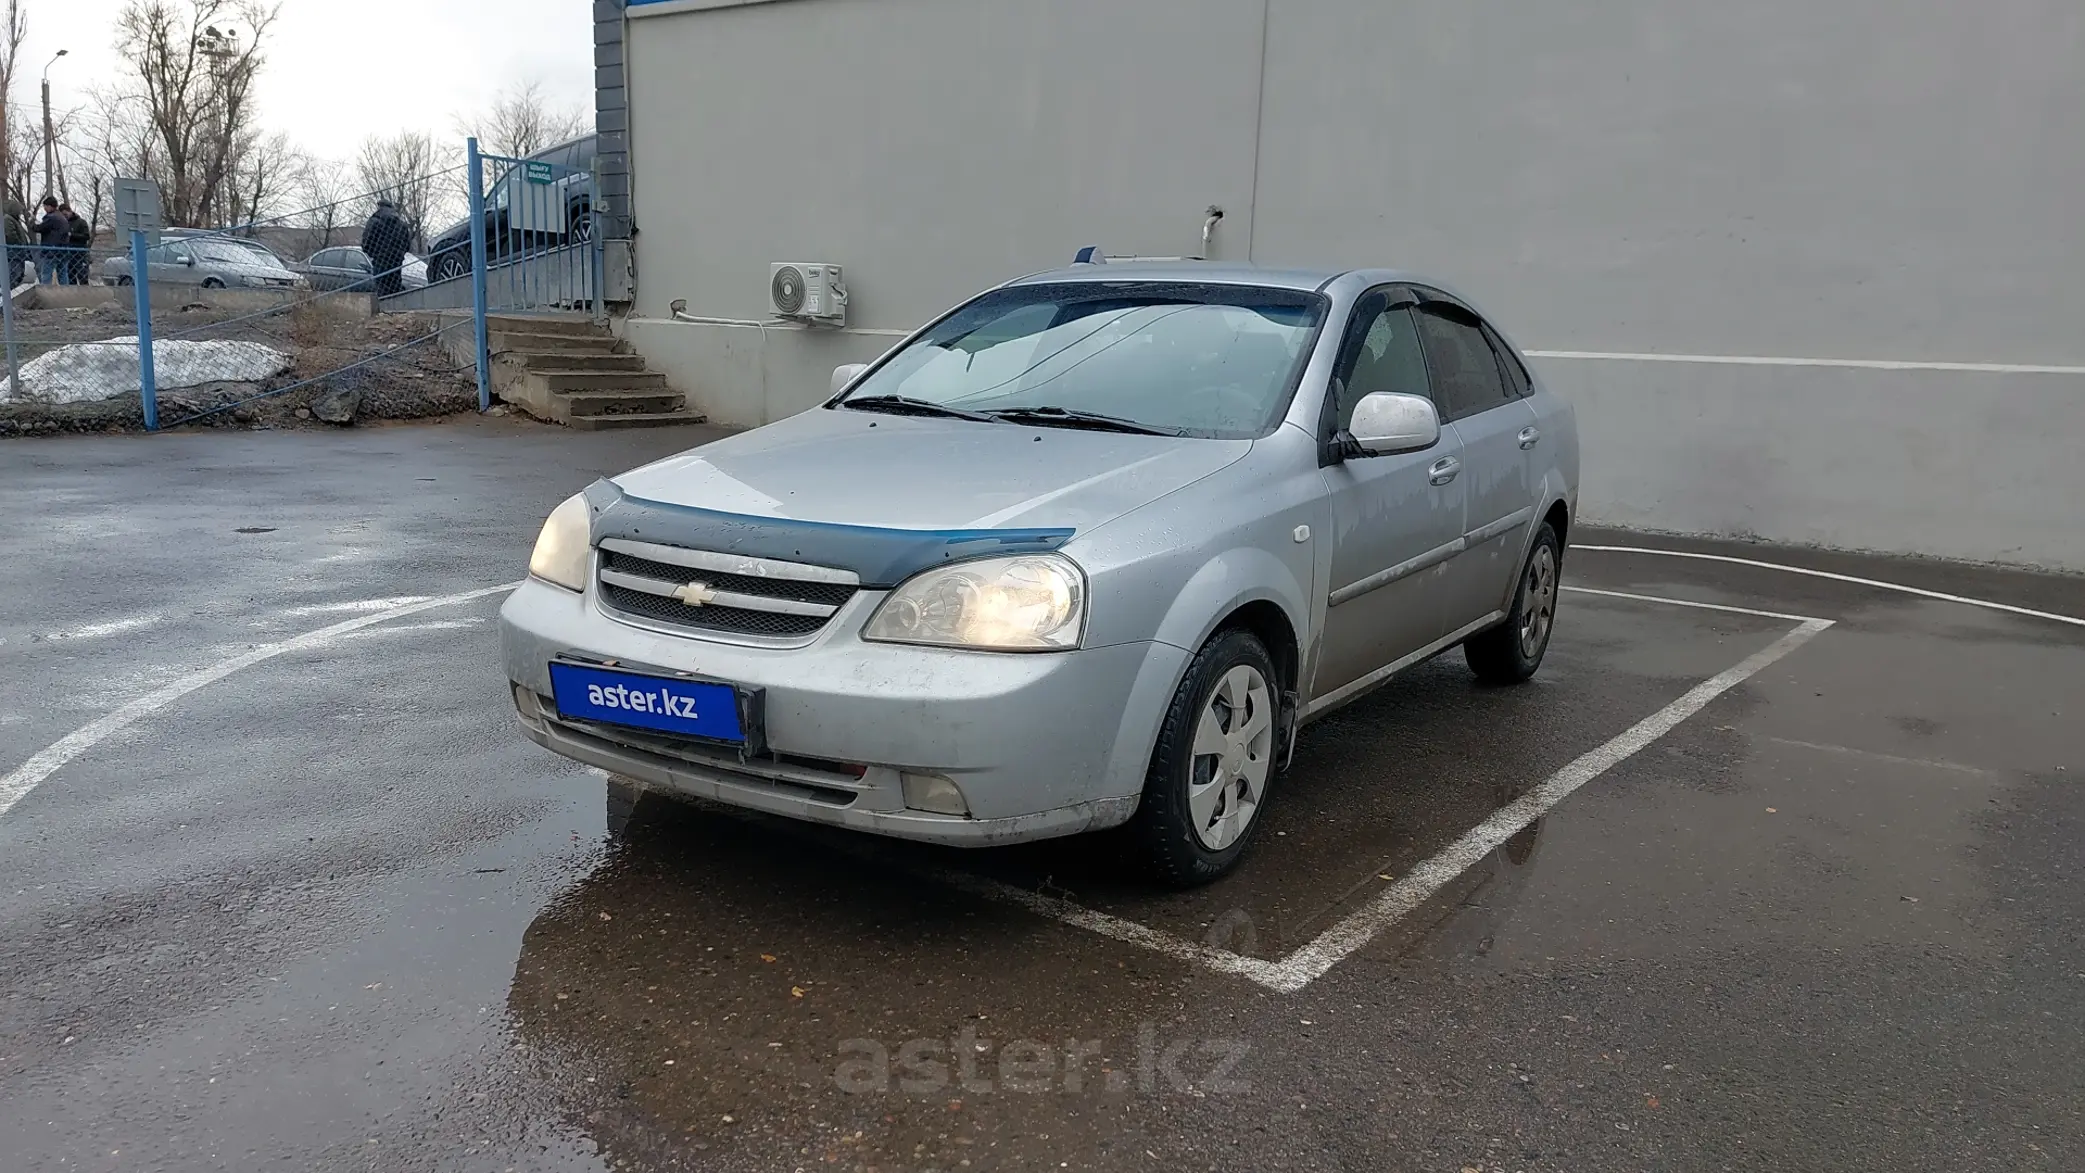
(212,283)
(450,266)
(1213,767)
(121,281)
(1511,652)
(582,225)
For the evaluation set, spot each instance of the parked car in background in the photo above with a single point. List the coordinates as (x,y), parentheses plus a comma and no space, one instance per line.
(212,262)
(1086,551)
(523,215)
(245,242)
(349,267)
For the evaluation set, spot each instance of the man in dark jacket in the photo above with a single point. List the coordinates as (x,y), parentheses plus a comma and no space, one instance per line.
(385,238)
(51,234)
(79,237)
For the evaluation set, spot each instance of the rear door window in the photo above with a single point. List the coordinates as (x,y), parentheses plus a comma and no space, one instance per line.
(1518,382)
(1466,376)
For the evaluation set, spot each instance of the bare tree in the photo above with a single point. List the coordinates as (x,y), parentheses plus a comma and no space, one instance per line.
(522,121)
(407,169)
(262,173)
(191,85)
(12,35)
(322,187)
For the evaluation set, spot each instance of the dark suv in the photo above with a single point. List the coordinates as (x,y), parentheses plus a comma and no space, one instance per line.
(544,202)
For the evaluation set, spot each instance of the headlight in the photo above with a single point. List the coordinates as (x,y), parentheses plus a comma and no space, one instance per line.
(1033,603)
(561,549)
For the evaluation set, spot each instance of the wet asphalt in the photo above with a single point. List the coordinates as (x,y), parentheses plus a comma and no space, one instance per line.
(331,912)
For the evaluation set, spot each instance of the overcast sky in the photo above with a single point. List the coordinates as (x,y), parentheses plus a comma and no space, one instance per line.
(340,70)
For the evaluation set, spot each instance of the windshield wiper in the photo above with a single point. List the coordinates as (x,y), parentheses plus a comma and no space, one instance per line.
(1064,417)
(906,405)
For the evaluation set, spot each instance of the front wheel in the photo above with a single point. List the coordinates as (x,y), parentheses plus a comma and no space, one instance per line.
(212,283)
(1511,652)
(1213,766)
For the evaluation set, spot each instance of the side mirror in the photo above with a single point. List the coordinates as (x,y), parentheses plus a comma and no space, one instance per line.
(189,261)
(847,373)
(1386,423)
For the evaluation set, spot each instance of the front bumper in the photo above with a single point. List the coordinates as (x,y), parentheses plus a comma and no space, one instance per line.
(1040,745)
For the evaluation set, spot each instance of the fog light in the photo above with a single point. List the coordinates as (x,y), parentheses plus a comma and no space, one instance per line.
(934,794)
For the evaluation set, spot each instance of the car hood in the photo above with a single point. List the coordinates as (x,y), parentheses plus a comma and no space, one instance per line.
(902,472)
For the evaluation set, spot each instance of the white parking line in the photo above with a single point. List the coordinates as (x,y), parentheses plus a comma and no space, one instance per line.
(1305,965)
(112,627)
(1826,574)
(1687,603)
(26,777)
(1310,962)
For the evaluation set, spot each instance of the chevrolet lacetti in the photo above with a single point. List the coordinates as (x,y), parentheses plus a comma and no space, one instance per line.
(1085,552)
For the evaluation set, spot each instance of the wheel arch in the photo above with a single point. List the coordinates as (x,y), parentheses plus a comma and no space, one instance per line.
(1251,590)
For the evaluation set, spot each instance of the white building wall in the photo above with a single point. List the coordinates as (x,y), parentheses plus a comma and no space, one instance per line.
(1864,179)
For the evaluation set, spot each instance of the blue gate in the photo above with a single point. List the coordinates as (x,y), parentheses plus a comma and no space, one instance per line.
(537,225)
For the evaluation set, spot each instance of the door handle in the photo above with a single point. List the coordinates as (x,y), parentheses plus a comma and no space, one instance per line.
(1529,437)
(1444,470)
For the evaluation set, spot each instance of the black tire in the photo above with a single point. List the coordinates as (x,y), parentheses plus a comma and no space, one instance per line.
(582,225)
(212,283)
(1172,844)
(450,266)
(122,282)
(1511,652)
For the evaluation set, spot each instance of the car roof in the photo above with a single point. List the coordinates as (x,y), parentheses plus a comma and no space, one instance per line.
(1215,273)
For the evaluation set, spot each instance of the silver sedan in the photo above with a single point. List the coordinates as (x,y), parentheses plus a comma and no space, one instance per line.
(1088,550)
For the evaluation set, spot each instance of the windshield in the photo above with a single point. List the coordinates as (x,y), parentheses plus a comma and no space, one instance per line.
(232,252)
(1194,359)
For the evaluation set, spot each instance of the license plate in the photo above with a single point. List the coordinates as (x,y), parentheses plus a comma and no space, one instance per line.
(691,708)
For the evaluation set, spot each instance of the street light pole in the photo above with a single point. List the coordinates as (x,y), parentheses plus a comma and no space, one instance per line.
(50,136)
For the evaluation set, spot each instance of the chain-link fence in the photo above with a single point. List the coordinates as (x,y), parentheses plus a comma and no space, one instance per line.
(293,317)
(371,305)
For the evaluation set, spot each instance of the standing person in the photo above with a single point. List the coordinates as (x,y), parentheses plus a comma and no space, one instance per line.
(385,238)
(80,238)
(51,234)
(17,243)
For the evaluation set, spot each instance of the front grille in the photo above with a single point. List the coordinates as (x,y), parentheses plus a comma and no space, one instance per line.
(712,618)
(748,617)
(832,594)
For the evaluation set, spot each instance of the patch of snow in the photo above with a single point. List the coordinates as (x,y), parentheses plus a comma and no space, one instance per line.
(98,370)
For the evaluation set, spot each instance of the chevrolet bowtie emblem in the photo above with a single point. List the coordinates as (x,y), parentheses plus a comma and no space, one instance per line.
(695,594)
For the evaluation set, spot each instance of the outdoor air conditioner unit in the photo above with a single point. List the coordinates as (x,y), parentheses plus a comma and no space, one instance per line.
(813,293)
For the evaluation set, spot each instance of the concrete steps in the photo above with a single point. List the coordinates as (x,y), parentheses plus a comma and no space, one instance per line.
(530,342)
(583,360)
(601,404)
(570,371)
(602,423)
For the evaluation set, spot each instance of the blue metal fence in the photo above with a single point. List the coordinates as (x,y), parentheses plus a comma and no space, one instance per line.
(537,245)
(269,317)
(283,318)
